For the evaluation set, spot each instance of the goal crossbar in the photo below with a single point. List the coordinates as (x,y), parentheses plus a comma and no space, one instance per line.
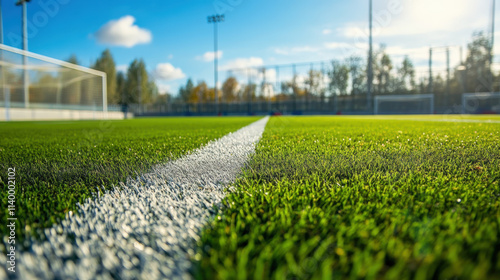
(50,62)
(472,102)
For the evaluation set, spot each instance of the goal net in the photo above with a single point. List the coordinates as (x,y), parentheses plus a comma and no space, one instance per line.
(481,103)
(404,104)
(29,80)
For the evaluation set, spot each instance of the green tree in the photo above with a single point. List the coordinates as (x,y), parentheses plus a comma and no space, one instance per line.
(138,84)
(199,93)
(313,83)
(382,69)
(339,78)
(439,85)
(291,88)
(163,99)
(230,89)
(42,90)
(185,92)
(406,77)
(358,76)
(106,64)
(477,63)
(73,59)
(121,89)
(248,92)
(153,90)
(70,90)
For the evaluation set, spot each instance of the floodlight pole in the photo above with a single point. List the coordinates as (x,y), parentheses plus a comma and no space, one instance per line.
(430,71)
(370,62)
(492,44)
(25,48)
(5,94)
(448,76)
(216,19)
(1,24)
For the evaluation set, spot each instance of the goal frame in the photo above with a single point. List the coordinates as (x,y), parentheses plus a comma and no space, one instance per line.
(477,95)
(63,64)
(403,97)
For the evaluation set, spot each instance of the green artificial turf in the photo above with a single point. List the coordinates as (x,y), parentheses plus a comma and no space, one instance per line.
(61,163)
(362,198)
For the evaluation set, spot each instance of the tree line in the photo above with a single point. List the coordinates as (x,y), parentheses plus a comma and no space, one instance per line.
(349,78)
(341,78)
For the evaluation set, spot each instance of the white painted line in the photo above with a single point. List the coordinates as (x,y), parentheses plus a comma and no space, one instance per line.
(443,120)
(147,229)
(461,120)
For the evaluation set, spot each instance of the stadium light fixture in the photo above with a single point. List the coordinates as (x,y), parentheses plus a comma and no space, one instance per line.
(25,47)
(215,19)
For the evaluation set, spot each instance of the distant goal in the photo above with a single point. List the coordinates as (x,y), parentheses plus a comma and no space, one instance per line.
(481,103)
(404,104)
(32,81)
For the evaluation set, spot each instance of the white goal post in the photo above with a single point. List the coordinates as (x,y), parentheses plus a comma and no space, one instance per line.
(481,103)
(404,104)
(33,81)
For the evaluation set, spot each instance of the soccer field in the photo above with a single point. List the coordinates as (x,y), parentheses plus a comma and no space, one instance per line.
(61,163)
(363,198)
(389,197)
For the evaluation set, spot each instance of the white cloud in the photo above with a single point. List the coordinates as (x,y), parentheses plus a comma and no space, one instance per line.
(170,56)
(295,50)
(326,31)
(338,45)
(209,56)
(122,68)
(163,88)
(244,68)
(352,31)
(123,32)
(423,17)
(243,63)
(167,72)
(415,26)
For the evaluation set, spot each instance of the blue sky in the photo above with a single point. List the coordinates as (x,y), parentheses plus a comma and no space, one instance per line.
(176,41)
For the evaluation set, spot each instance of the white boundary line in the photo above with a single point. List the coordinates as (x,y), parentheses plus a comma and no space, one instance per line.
(449,120)
(442,118)
(148,228)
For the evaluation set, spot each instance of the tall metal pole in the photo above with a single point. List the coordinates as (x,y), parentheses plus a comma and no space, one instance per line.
(430,71)
(2,81)
(278,89)
(447,76)
(249,97)
(139,88)
(1,24)
(492,44)
(216,70)
(216,19)
(370,62)
(461,55)
(322,94)
(294,88)
(25,58)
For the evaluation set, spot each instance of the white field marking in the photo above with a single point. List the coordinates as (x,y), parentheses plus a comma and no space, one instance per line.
(458,120)
(443,120)
(148,228)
